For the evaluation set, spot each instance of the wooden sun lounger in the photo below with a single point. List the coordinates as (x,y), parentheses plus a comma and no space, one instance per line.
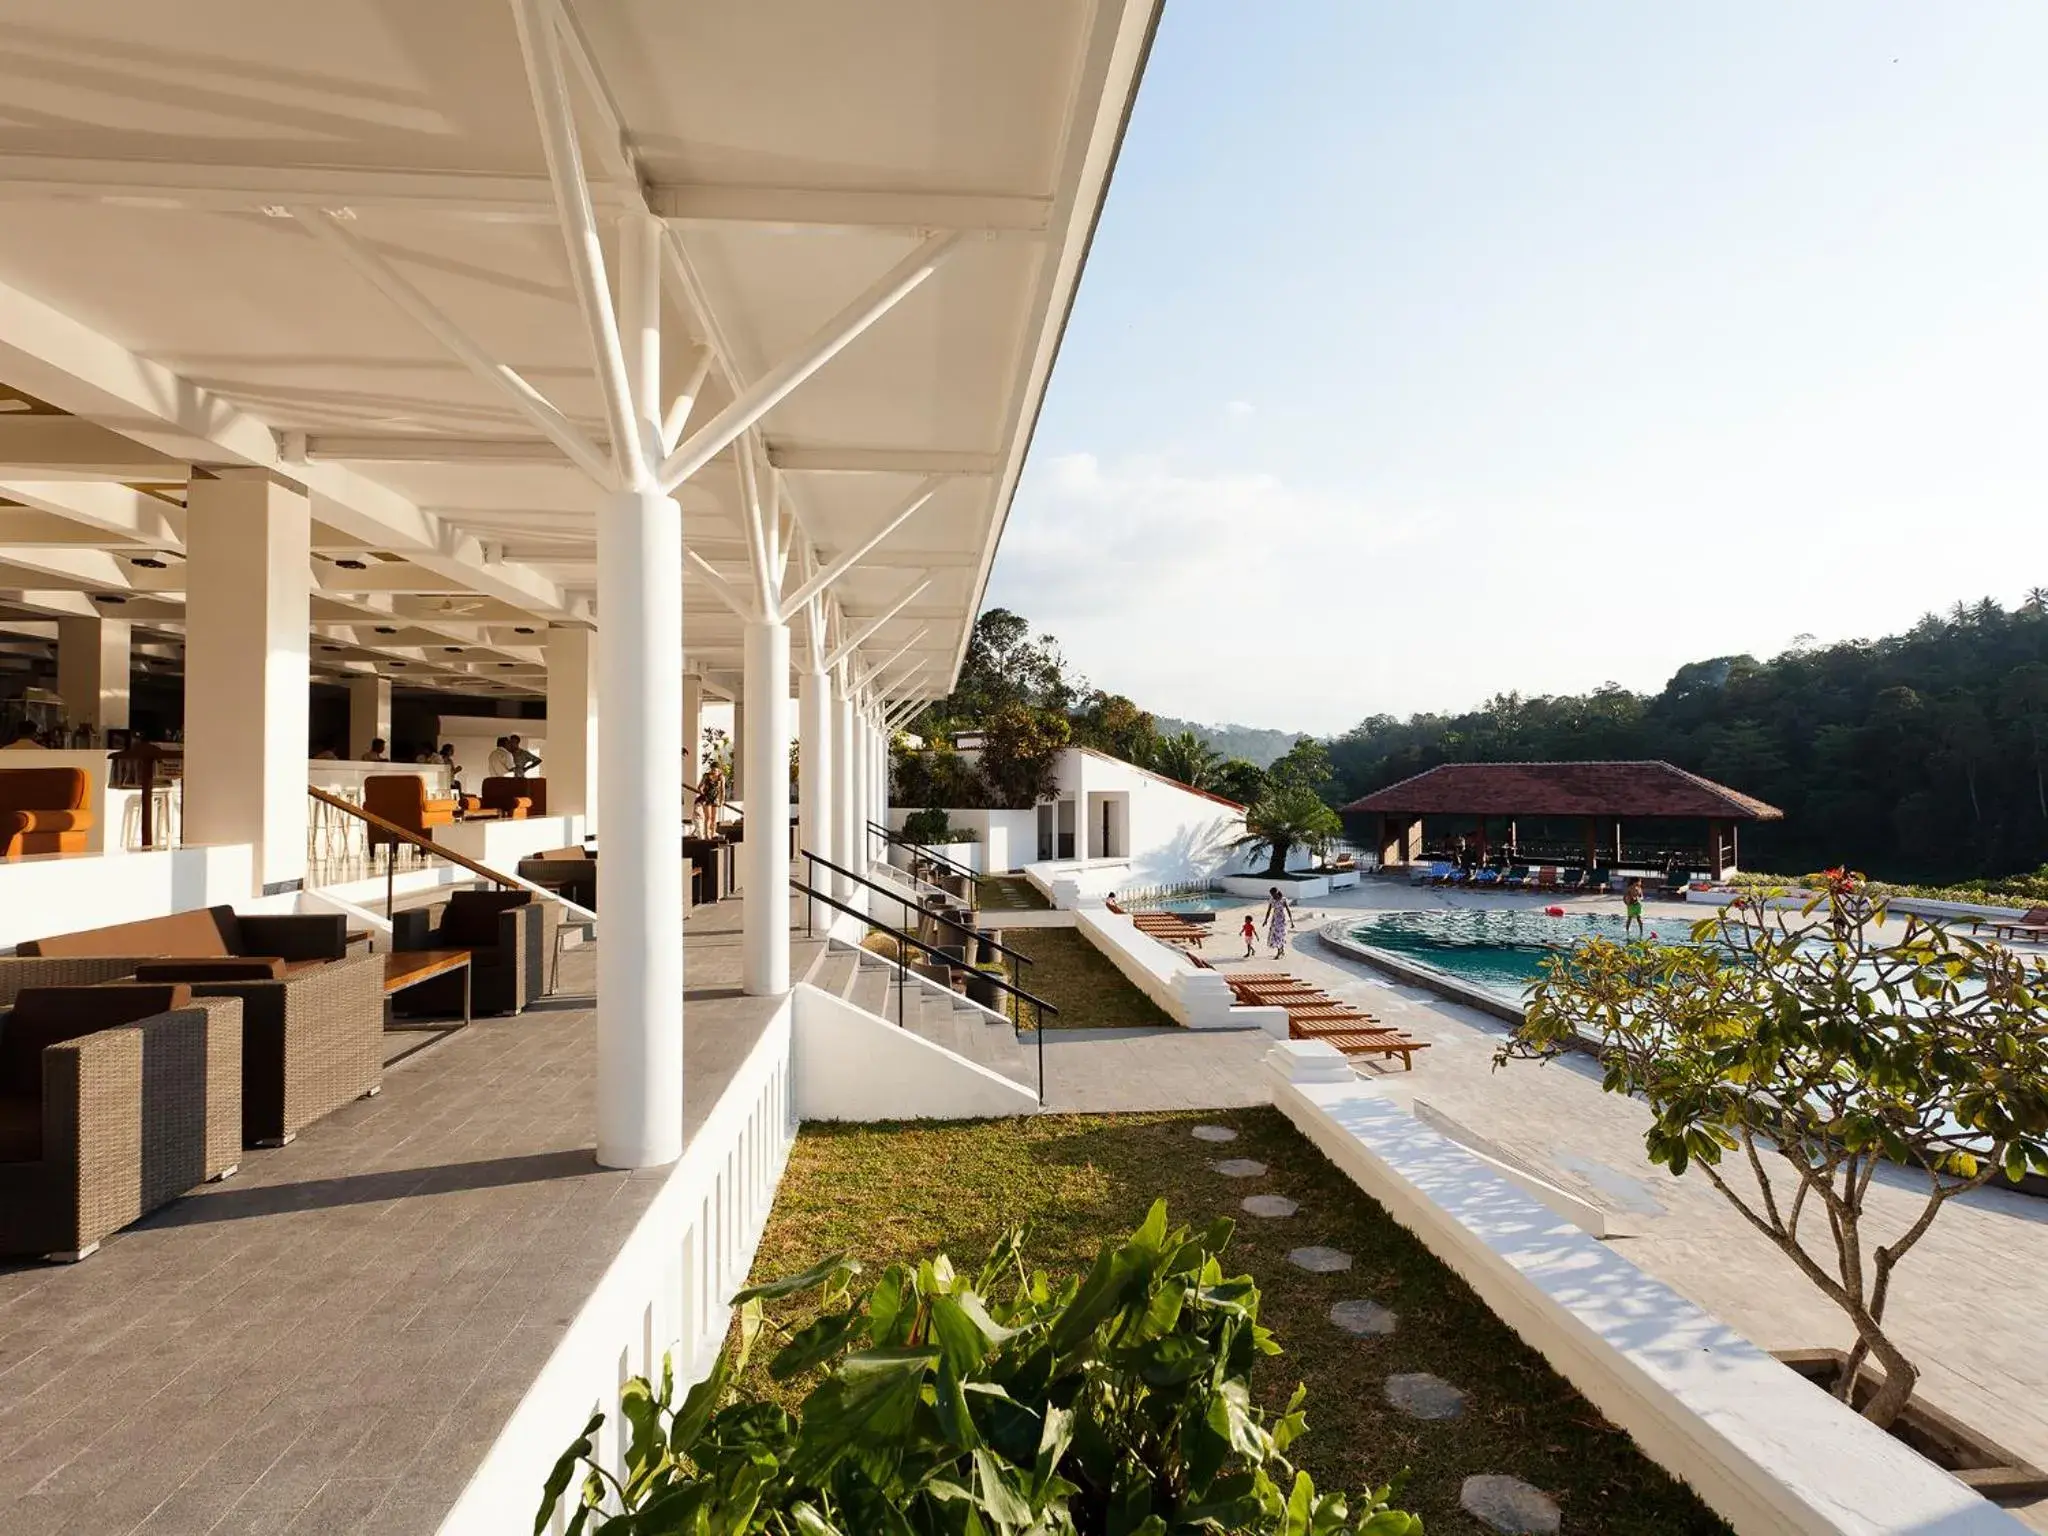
(2034,925)
(1363,1042)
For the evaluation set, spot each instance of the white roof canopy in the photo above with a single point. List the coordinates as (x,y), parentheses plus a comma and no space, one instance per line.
(240,233)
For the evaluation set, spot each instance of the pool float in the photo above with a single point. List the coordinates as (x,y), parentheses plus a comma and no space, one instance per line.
(1553,911)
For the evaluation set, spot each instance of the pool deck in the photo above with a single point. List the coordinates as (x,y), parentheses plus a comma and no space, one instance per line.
(1969,1302)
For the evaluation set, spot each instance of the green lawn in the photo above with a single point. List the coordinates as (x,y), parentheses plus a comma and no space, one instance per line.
(1077,978)
(897,1193)
(1010,893)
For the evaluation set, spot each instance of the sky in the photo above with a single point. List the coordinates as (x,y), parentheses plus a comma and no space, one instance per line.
(1433,350)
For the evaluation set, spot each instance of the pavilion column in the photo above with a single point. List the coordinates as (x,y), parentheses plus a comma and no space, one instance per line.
(849,833)
(640,876)
(863,801)
(369,714)
(882,774)
(248,544)
(764,770)
(693,733)
(572,723)
(816,765)
(92,671)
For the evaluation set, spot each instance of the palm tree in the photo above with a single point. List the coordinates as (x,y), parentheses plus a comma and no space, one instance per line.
(1188,758)
(1287,817)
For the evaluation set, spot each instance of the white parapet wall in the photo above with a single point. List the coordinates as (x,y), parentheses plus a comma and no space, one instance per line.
(1768,1451)
(1185,992)
(500,845)
(64,892)
(851,1065)
(667,1292)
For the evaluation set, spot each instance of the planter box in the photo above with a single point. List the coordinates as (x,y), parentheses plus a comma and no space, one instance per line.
(1294,887)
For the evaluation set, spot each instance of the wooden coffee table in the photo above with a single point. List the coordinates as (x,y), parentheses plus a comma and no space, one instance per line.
(405,968)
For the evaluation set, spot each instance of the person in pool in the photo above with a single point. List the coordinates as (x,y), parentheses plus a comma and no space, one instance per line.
(1632,899)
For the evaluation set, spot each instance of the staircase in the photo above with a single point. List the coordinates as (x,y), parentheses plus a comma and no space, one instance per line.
(944,1018)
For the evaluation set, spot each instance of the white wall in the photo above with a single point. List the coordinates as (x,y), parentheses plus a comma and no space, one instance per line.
(1767,1450)
(1006,840)
(851,1065)
(1176,835)
(65,892)
(1189,995)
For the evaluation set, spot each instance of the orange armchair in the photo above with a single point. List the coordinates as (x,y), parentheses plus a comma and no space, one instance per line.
(42,810)
(401,798)
(515,799)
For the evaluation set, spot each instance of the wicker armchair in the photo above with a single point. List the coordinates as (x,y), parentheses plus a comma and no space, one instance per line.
(113,1101)
(506,934)
(312,1033)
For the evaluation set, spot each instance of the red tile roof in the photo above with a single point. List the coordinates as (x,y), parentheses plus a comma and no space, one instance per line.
(1625,790)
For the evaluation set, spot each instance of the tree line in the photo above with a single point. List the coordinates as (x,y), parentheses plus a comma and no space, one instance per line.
(1921,756)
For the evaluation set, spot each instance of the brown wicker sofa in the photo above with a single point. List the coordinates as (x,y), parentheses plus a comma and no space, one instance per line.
(114,1100)
(42,810)
(312,1014)
(507,935)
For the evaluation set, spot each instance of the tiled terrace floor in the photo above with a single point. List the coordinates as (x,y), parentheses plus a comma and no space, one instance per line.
(328,1341)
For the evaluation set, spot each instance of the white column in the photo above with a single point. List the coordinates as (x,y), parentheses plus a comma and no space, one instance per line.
(764,922)
(369,715)
(572,723)
(880,782)
(846,808)
(248,545)
(816,765)
(639,763)
(739,744)
(863,771)
(92,672)
(639,796)
(693,730)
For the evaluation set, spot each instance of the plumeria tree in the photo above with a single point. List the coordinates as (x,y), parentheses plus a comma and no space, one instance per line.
(1787,1056)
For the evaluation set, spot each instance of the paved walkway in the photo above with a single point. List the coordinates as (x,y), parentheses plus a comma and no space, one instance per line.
(1970,1302)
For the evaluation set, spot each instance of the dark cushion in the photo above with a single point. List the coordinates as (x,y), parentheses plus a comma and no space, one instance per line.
(46,1016)
(238,968)
(21,1130)
(471,921)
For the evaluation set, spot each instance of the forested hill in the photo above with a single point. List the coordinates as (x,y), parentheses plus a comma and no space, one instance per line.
(1253,743)
(1921,756)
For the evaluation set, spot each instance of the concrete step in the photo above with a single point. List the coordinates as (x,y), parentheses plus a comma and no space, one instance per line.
(870,990)
(834,971)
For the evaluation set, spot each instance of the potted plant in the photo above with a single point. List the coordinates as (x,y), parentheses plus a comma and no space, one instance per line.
(978,1400)
(1815,1046)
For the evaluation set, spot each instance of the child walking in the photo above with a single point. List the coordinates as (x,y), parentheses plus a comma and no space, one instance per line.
(1250,930)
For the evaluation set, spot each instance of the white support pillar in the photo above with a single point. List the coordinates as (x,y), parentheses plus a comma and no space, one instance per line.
(92,672)
(817,763)
(369,715)
(846,824)
(764,922)
(861,769)
(572,723)
(879,784)
(739,745)
(693,730)
(248,544)
(639,796)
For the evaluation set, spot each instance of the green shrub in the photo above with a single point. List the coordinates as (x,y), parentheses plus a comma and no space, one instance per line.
(932,829)
(2001,891)
(1115,1403)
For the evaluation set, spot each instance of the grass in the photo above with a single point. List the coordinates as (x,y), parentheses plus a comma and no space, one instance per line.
(899,1193)
(1010,893)
(1078,979)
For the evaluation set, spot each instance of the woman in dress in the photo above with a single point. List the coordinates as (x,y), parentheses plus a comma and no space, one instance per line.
(1276,922)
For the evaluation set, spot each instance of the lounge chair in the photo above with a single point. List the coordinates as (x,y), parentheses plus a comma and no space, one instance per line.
(1485,878)
(1546,878)
(506,934)
(1574,881)
(114,1100)
(1676,882)
(2032,925)
(1433,874)
(1363,1042)
(1517,878)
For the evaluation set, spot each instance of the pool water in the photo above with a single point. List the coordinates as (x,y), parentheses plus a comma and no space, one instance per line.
(1198,902)
(1501,949)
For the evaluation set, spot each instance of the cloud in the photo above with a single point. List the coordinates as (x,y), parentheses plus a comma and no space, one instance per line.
(1238,410)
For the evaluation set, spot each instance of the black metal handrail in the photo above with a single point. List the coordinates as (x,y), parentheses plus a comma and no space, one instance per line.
(891,835)
(897,897)
(1001,983)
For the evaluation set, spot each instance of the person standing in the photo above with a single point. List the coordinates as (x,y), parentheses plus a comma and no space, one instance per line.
(1251,937)
(1632,900)
(376,754)
(710,796)
(1276,922)
(499,764)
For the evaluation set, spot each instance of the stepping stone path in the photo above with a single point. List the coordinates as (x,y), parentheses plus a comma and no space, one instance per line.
(1270,1205)
(1423,1396)
(1214,1133)
(1364,1319)
(1320,1261)
(1510,1505)
(1240,1168)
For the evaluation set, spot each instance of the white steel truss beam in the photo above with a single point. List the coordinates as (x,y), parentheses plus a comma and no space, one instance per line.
(867,627)
(766,392)
(807,458)
(823,580)
(105,507)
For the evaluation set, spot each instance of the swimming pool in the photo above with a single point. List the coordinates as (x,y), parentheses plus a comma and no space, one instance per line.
(1501,949)
(1196,901)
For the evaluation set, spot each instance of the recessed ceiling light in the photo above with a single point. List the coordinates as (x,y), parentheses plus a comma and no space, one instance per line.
(453,650)
(150,563)
(386,629)
(108,597)
(523,629)
(398,666)
(507,663)
(353,565)
(330,647)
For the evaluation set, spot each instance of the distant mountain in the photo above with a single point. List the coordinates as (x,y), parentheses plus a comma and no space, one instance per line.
(1253,743)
